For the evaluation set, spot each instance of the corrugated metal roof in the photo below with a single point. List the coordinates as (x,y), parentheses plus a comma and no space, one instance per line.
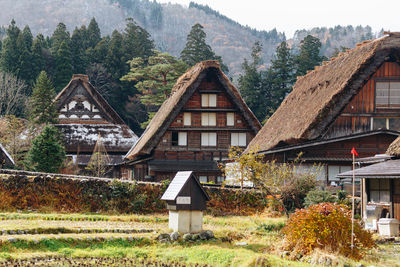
(387,169)
(176,185)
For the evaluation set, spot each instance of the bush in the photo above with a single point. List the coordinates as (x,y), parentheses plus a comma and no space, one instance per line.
(325,226)
(318,196)
(295,191)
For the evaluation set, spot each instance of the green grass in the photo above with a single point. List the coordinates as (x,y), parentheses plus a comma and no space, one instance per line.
(261,235)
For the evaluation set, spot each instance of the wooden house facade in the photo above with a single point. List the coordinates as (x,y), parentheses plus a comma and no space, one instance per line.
(194,128)
(352,100)
(85,116)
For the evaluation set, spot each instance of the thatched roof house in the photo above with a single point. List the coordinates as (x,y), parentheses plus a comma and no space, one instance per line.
(394,148)
(183,115)
(350,100)
(84,115)
(320,96)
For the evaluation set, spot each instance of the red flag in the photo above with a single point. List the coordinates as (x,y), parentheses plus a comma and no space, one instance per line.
(353,151)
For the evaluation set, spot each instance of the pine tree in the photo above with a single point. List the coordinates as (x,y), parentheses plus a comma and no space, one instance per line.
(60,35)
(24,64)
(64,69)
(114,60)
(282,72)
(197,49)
(78,49)
(93,34)
(309,56)
(38,60)
(42,107)
(136,42)
(155,78)
(47,152)
(251,83)
(9,53)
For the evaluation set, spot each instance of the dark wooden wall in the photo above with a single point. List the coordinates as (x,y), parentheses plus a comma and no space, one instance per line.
(356,117)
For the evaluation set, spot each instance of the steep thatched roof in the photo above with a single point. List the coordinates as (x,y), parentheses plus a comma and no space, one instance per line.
(394,148)
(181,92)
(320,96)
(81,79)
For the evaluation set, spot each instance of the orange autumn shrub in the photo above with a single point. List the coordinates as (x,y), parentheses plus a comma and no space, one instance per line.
(325,226)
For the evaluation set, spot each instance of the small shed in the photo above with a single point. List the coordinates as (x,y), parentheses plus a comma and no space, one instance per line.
(186,200)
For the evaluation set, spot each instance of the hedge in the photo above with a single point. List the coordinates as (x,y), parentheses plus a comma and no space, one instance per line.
(52,193)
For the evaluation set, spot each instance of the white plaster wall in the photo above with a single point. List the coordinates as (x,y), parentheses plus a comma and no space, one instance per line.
(185,221)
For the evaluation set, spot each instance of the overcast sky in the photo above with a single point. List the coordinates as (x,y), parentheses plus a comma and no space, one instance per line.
(291,15)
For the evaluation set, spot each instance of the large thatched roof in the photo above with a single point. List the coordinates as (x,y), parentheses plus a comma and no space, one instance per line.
(181,92)
(321,95)
(394,148)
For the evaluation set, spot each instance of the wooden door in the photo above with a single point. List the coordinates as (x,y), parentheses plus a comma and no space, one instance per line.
(396,206)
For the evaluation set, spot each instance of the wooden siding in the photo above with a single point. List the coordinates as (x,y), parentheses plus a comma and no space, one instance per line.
(357,115)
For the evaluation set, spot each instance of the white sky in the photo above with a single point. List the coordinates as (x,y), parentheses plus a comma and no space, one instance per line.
(291,15)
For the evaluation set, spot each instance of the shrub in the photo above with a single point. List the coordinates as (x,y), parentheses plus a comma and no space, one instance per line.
(325,226)
(318,196)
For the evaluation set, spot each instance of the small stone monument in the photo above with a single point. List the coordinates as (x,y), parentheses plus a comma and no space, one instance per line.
(186,200)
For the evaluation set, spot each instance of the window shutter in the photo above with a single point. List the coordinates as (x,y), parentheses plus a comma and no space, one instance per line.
(204,100)
(187,119)
(212,119)
(212,139)
(204,139)
(182,139)
(212,101)
(230,119)
(204,119)
(234,139)
(242,139)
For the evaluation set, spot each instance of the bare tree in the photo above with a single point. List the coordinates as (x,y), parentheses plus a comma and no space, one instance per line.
(12,95)
(100,79)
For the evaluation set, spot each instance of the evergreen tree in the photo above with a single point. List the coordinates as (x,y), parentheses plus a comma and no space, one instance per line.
(42,106)
(251,83)
(309,56)
(197,49)
(9,53)
(38,60)
(282,73)
(99,53)
(47,152)
(24,64)
(155,78)
(93,34)
(60,35)
(64,69)
(136,42)
(114,60)
(78,49)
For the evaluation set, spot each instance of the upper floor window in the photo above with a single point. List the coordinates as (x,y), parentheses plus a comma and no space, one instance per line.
(208,100)
(230,119)
(179,138)
(385,123)
(387,94)
(238,139)
(208,119)
(208,139)
(187,118)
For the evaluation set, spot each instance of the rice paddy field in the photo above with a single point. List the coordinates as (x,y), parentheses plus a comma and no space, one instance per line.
(37,239)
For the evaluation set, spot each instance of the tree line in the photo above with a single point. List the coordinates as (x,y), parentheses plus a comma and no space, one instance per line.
(264,90)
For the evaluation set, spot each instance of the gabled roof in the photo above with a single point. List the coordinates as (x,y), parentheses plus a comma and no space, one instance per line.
(101,103)
(386,169)
(4,154)
(178,184)
(181,92)
(321,95)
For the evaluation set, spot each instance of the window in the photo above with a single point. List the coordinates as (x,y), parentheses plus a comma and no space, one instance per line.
(379,190)
(208,100)
(208,139)
(387,94)
(220,179)
(179,138)
(203,179)
(230,119)
(187,118)
(238,139)
(208,119)
(386,123)
(333,171)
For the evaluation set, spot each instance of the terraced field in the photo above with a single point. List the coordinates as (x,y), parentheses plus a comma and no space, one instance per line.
(34,239)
